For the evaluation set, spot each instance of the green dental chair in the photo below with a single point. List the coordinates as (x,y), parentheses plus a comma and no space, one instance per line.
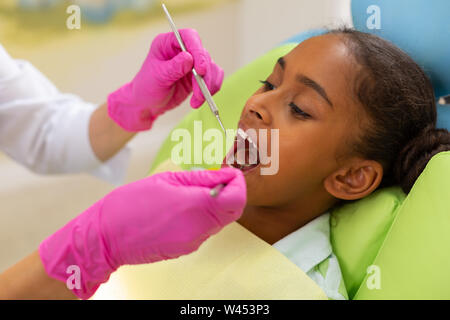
(389,245)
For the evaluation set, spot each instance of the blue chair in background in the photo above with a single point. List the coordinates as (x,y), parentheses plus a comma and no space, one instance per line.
(422,29)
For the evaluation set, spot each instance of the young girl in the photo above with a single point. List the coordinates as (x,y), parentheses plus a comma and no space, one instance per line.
(354,113)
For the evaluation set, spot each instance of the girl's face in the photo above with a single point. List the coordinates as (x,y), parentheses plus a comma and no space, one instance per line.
(308,98)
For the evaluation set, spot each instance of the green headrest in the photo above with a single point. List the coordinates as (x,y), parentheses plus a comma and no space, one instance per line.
(414,259)
(358,230)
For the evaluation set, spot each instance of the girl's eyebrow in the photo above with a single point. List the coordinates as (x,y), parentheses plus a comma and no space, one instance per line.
(308,82)
(314,85)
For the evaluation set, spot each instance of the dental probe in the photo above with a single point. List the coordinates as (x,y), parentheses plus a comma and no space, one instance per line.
(216,190)
(200,81)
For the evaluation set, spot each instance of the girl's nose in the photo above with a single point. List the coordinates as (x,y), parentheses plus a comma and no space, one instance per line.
(258,112)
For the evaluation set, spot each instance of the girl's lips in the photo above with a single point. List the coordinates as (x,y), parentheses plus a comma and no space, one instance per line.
(245,170)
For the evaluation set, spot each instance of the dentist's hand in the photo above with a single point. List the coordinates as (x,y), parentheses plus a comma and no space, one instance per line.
(161,217)
(164,81)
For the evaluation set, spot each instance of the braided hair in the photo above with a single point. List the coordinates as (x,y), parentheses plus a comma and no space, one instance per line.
(399,100)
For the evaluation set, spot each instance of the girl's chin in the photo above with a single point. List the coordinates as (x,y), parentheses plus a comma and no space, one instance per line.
(254,185)
(250,180)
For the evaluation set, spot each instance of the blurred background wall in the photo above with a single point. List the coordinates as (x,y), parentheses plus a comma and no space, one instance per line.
(105,53)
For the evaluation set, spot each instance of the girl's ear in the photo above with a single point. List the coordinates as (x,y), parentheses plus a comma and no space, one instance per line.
(355,181)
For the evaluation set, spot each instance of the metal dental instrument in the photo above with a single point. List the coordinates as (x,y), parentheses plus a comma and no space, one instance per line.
(214,192)
(200,81)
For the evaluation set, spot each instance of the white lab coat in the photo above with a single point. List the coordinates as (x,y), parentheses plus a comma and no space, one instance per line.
(46,130)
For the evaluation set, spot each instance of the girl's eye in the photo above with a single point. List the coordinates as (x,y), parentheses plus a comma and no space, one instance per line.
(267,85)
(298,112)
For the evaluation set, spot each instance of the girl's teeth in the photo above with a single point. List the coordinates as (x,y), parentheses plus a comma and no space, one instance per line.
(250,147)
(244,136)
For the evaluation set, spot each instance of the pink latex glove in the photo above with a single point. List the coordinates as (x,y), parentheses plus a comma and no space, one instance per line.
(164,81)
(161,217)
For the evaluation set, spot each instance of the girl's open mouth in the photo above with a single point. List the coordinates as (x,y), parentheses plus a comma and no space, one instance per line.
(244,155)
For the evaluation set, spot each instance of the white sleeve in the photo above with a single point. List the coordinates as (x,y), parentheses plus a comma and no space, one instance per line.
(48,131)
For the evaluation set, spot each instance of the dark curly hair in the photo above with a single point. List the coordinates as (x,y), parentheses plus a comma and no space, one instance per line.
(399,100)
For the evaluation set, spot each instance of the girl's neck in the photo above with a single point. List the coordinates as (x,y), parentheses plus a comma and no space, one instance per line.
(272,224)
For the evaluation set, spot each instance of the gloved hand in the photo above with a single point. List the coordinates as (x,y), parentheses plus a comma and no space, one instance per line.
(164,81)
(161,217)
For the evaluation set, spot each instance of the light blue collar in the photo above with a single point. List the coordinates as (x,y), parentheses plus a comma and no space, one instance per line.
(309,245)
